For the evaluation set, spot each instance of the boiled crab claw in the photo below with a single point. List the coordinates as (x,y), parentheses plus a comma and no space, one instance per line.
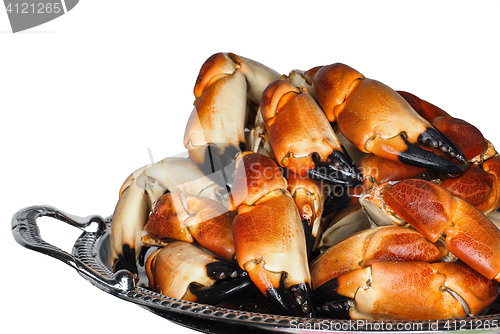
(408,291)
(388,273)
(464,135)
(385,243)
(269,236)
(177,216)
(377,120)
(433,211)
(226,87)
(137,195)
(184,271)
(301,137)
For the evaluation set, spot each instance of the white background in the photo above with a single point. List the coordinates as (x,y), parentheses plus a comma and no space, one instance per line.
(83,97)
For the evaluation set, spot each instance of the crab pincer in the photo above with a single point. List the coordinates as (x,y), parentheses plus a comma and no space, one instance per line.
(302,138)
(378,120)
(433,211)
(184,271)
(394,272)
(269,236)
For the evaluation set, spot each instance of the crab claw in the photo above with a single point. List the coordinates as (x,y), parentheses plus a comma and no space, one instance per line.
(433,211)
(177,216)
(478,185)
(373,274)
(269,236)
(137,195)
(442,290)
(301,137)
(225,86)
(182,270)
(377,120)
(466,136)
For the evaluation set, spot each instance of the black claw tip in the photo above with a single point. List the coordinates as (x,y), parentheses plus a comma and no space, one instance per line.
(220,291)
(126,260)
(338,169)
(417,156)
(329,302)
(223,268)
(436,139)
(293,301)
(231,280)
(216,162)
(310,239)
(336,201)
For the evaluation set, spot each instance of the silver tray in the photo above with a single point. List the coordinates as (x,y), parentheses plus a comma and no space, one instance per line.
(89,258)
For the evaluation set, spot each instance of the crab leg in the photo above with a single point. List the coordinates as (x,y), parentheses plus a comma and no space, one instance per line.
(301,137)
(378,120)
(269,236)
(140,191)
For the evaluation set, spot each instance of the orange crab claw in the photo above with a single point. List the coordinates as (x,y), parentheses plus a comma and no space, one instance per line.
(387,243)
(177,216)
(142,188)
(463,134)
(301,137)
(374,170)
(376,119)
(407,291)
(269,236)
(373,274)
(433,211)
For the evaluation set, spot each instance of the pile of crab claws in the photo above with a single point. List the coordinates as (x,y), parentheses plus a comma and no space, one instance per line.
(276,231)
(339,169)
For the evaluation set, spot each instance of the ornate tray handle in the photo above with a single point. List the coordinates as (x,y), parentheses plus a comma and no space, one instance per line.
(27,234)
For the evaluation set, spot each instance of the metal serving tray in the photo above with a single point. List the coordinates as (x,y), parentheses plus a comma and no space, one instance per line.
(89,258)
